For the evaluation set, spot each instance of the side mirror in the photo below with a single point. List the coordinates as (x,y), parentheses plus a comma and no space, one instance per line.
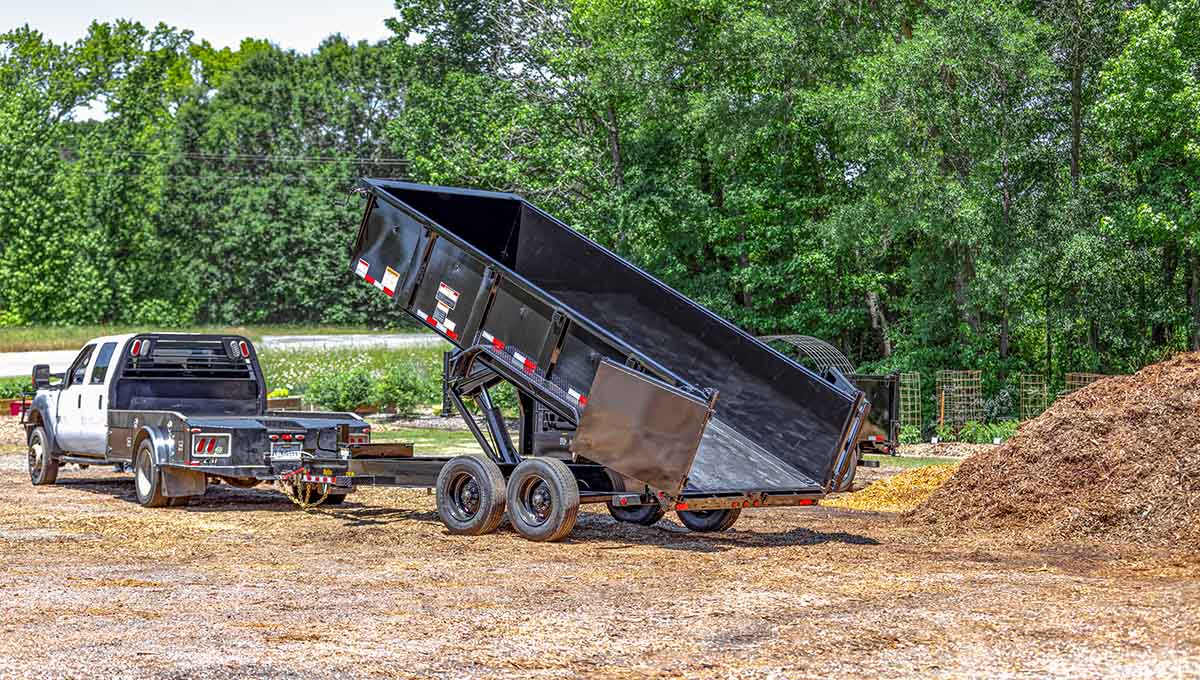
(41,376)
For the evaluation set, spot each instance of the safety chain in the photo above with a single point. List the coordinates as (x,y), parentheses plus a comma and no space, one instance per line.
(299,491)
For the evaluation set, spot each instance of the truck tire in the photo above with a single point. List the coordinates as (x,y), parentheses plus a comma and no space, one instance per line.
(43,469)
(707,521)
(147,481)
(543,499)
(645,515)
(470,495)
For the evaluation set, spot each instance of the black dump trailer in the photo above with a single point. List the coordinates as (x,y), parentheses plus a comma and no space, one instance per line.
(660,404)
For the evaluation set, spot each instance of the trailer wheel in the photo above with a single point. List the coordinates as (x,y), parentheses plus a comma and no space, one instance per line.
(645,515)
(147,480)
(470,495)
(241,482)
(43,469)
(709,520)
(543,499)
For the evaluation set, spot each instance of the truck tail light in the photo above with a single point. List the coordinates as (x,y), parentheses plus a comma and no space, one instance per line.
(200,444)
(244,348)
(212,443)
(136,349)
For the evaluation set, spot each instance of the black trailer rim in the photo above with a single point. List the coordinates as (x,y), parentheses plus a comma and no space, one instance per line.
(464,496)
(37,451)
(535,501)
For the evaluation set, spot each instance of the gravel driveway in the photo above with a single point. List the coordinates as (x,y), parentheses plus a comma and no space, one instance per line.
(241,584)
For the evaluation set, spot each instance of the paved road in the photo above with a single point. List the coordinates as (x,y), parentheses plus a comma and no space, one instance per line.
(21,363)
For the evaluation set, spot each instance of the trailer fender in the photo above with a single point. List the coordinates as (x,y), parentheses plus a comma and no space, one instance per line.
(176,481)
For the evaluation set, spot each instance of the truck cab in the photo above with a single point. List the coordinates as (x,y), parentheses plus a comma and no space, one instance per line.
(180,410)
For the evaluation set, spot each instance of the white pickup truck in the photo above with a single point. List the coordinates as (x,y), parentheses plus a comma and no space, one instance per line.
(181,410)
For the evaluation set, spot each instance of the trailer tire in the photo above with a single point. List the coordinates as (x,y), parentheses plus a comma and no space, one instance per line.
(645,515)
(241,482)
(43,469)
(470,495)
(709,521)
(147,480)
(543,499)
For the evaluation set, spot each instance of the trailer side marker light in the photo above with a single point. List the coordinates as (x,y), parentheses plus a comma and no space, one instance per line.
(274,437)
(212,443)
(681,506)
(806,501)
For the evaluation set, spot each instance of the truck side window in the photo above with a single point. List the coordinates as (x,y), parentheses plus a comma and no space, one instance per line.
(79,368)
(103,359)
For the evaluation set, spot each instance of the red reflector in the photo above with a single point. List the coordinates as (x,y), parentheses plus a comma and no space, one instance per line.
(806,501)
(287,437)
(200,444)
(681,506)
(245,349)
(212,443)
(583,401)
(274,437)
(137,347)
(757,503)
(624,501)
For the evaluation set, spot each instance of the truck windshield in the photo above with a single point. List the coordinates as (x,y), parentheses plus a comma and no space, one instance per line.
(192,375)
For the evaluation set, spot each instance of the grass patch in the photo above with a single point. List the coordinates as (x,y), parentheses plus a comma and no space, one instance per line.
(36,338)
(904,461)
(431,442)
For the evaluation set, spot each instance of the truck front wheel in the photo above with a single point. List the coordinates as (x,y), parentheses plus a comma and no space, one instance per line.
(43,469)
(147,480)
(707,521)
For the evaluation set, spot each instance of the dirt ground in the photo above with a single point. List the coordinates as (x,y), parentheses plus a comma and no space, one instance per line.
(241,584)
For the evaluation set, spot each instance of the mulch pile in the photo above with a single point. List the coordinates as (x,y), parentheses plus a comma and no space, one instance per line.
(1118,460)
(899,493)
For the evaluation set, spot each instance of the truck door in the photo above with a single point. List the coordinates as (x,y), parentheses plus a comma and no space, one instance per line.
(67,423)
(93,420)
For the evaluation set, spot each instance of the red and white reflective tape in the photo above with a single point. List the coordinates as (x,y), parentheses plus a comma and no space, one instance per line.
(319,479)
(875,438)
(525,362)
(446,327)
(581,398)
(390,277)
(496,342)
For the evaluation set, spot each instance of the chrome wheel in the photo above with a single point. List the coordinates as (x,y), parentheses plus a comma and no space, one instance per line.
(144,476)
(37,457)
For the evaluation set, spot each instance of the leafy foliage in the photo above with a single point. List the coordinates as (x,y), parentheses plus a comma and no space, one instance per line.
(945,184)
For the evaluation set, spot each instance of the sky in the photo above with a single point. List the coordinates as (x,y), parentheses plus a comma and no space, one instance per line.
(294,24)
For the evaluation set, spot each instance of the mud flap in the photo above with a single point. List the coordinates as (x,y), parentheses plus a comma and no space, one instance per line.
(641,427)
(177,482)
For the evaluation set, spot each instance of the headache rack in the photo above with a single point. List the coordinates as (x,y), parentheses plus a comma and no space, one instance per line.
(187,358)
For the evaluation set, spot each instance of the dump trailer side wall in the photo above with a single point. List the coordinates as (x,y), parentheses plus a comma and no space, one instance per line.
(771,414)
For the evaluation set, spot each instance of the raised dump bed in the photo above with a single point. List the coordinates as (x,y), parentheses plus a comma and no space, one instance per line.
(676,405)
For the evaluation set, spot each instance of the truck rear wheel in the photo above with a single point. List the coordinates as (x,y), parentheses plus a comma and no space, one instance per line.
(147,480)
(543,499)
(707,521)
(645,515)
(43,469)
(470,495)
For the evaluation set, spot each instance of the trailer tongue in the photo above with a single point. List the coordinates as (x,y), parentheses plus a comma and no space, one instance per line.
(672,403)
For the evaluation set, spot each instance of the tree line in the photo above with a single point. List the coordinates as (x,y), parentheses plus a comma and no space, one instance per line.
(924,183)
